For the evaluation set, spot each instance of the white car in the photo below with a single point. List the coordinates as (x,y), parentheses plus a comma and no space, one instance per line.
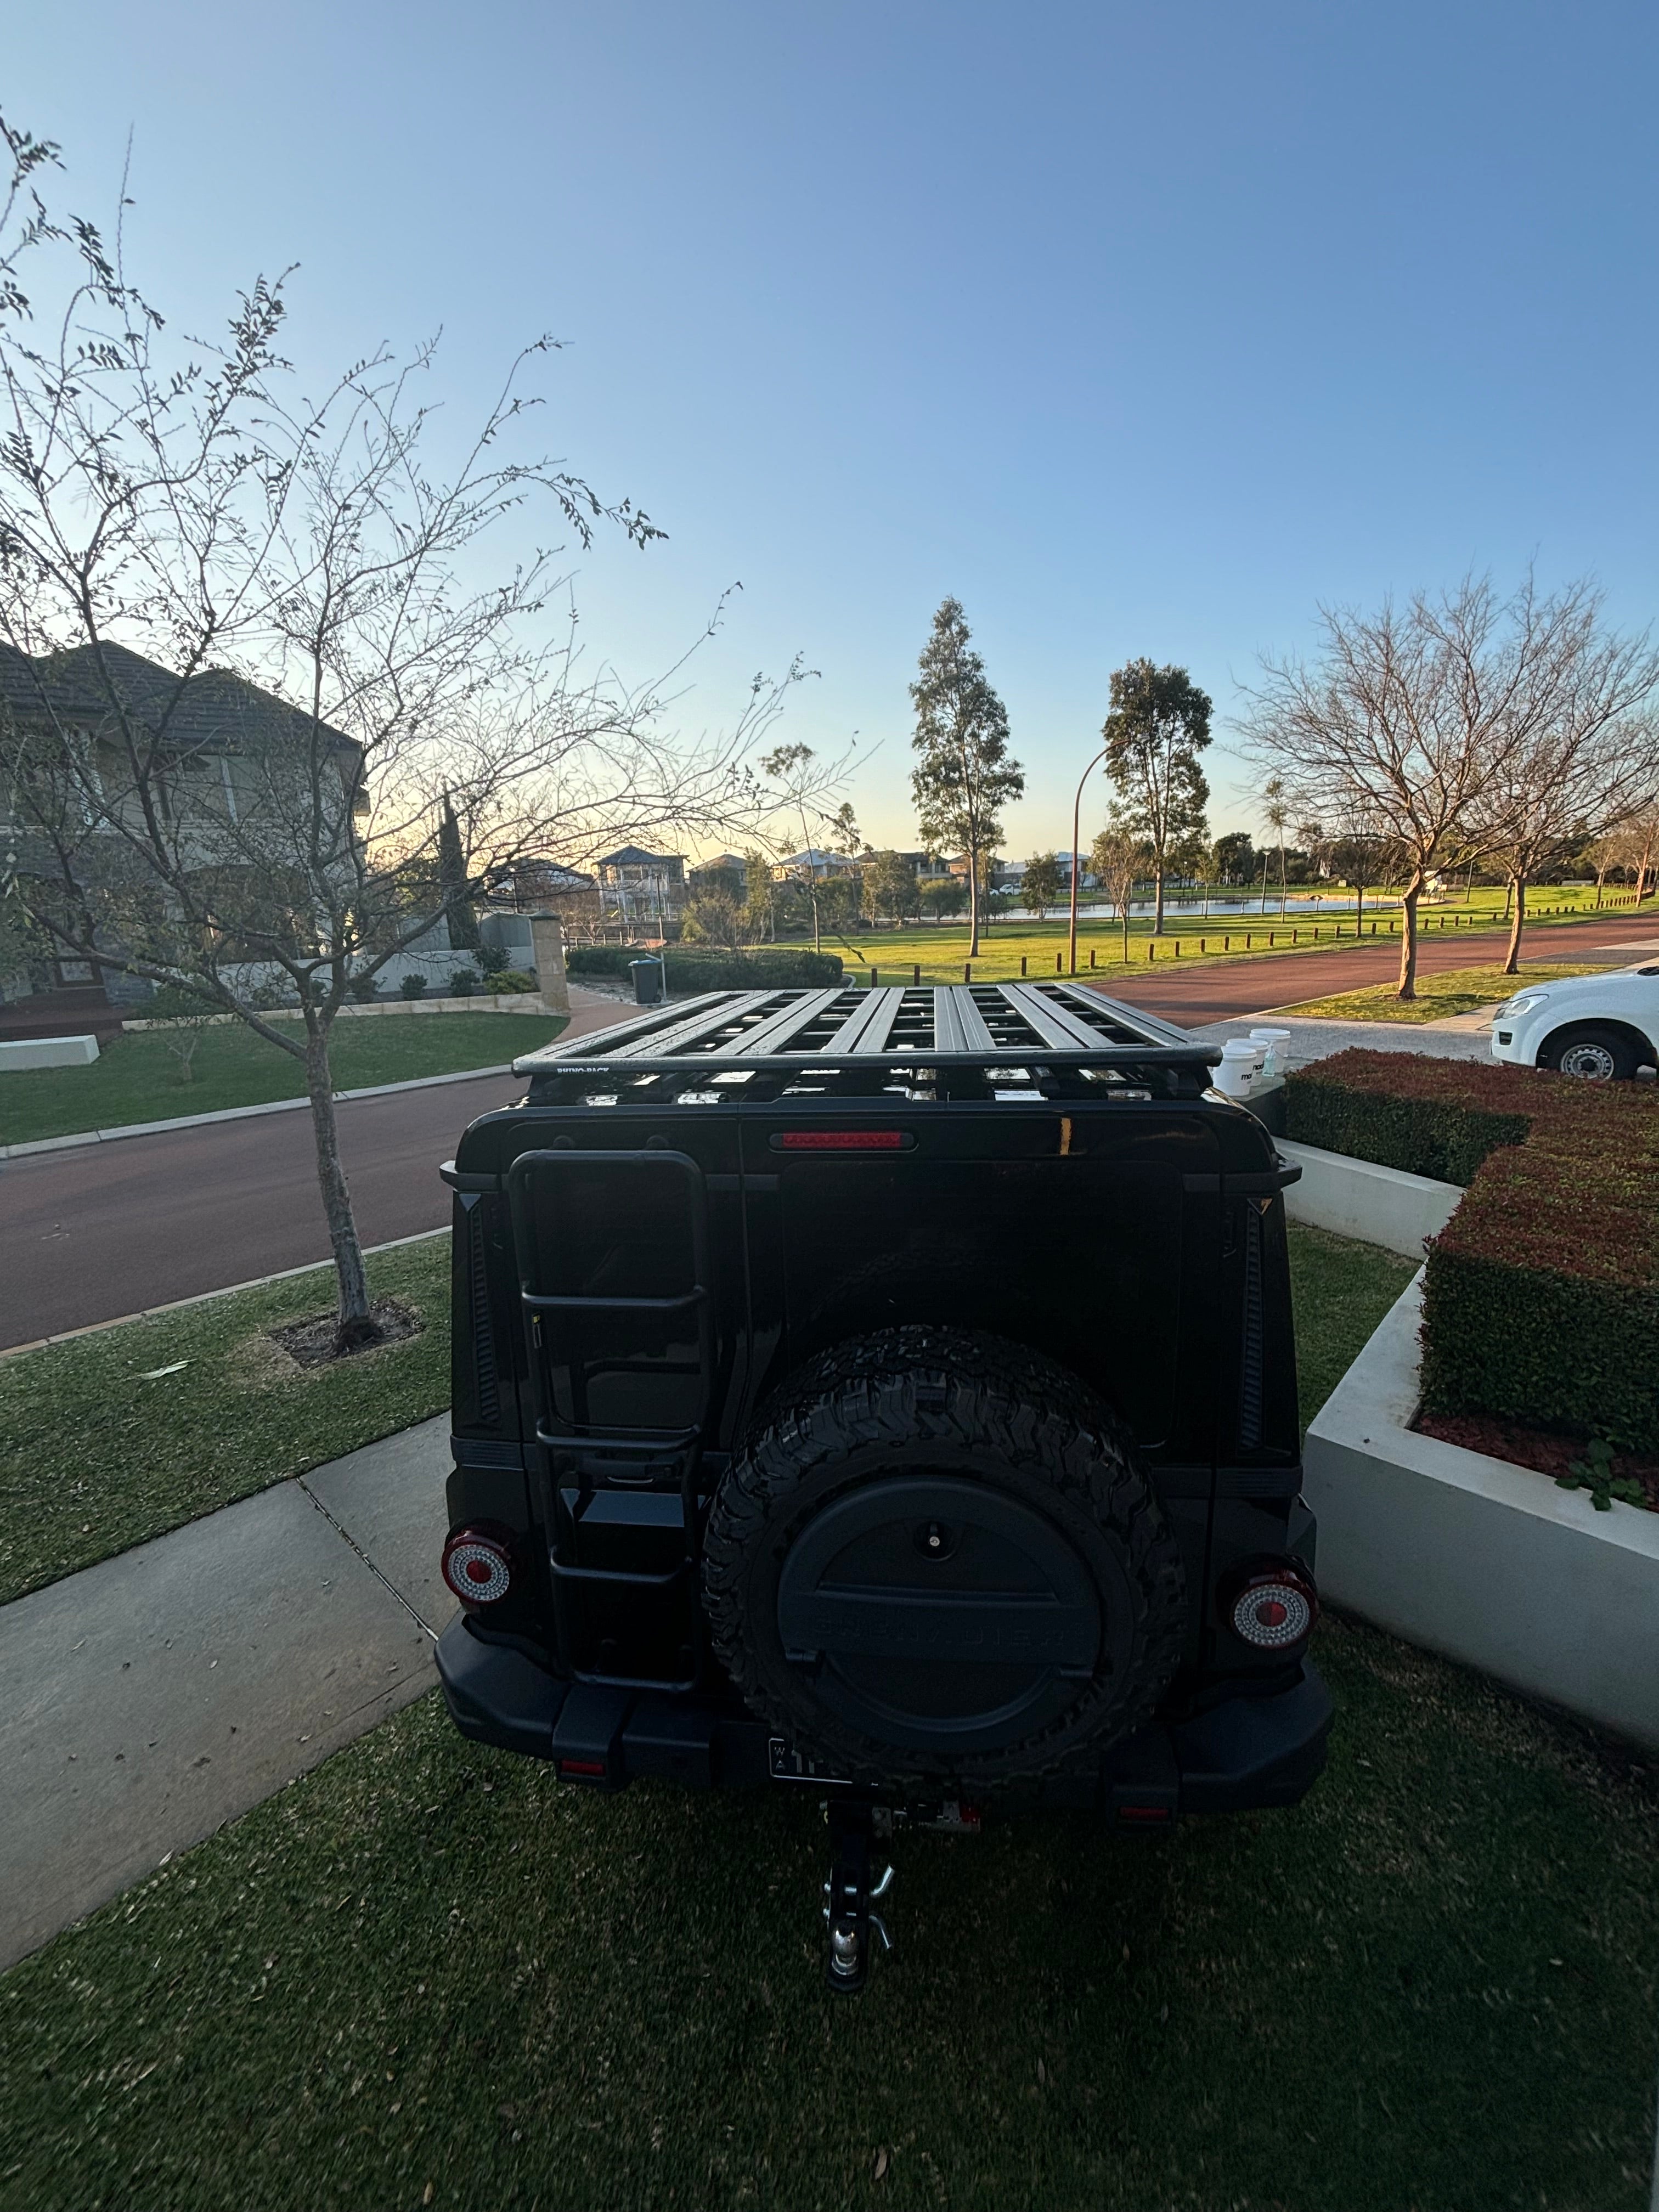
(1600,1027)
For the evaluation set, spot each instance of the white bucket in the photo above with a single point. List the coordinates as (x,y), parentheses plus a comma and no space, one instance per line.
(1241,1067)
(1277,1045)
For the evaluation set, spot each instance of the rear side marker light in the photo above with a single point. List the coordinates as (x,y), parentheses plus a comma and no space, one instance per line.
(1273,1608)
(583,1770)
(477,1566)
(842,1141)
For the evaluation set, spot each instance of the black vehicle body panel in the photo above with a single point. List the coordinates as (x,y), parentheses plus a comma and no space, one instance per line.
(1121,1219)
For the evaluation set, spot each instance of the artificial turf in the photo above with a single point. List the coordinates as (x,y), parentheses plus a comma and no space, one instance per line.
(426,1974)
(137,1077)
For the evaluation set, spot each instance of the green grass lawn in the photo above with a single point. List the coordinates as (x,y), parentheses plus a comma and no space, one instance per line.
(94,1458)
(940,950)
(136,1078)
(1458,991)
(428,1974)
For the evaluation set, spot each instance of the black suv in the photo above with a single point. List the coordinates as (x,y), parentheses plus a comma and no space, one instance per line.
(889,1392)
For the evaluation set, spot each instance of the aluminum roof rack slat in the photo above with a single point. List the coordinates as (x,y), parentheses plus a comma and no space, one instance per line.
(659,1021)
(773,1036)
(1132,1018)
(865,1032)
(1056,1025)
(678,1041)
(690,1032)
(958,1025)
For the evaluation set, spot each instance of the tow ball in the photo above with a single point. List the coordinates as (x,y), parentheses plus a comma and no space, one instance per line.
(849,1895)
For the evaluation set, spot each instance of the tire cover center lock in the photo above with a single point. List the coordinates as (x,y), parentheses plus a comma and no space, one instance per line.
(934,1609)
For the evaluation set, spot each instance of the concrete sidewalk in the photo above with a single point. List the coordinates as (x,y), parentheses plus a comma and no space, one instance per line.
(159,1694)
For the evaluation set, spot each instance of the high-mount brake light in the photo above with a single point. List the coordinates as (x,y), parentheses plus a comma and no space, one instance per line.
(842,1141)
(477,1565)
(1271,1607)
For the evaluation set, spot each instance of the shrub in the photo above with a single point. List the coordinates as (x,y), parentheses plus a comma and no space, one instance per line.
(364,987)
(464,983)
(513,979)
(413,985)
(1541,1301)
(491,959)
(768,969)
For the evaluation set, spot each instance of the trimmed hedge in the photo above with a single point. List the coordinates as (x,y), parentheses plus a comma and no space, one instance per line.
(1541,1297)
(787,970)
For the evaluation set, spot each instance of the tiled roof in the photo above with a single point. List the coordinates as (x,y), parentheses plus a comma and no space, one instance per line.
(212,709)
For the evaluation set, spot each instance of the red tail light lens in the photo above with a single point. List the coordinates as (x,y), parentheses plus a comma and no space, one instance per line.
(1272,1607)
(842,1141)
(478,1566)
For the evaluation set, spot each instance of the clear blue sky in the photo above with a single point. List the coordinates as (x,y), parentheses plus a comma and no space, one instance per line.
(1141,329)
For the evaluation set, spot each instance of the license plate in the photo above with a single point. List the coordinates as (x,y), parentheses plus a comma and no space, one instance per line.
(788,1764)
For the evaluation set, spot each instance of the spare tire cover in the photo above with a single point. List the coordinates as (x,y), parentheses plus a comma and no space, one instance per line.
(939,1560)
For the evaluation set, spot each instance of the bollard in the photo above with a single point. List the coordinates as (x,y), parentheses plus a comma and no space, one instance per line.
(875,977)
(1226,944)
(1152,948)
(967,971)
(1092,956)
(1057,966)
(1295,937)
(1021,964)
(1203,945)
(1273,939)
(915,975)
(1248,941)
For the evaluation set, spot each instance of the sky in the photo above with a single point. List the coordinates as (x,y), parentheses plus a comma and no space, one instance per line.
(1144,330)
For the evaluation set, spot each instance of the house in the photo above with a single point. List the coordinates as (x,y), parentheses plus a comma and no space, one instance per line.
(221,759)
(638,888)
(722,872)
(548,887)
(814,863)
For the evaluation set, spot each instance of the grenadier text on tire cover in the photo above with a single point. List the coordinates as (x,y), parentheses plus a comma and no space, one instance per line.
(889,1393)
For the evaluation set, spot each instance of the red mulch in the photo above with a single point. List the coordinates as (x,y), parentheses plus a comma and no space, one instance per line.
(1539,1449)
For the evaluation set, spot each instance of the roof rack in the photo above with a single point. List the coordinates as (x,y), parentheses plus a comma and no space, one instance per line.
(947,1025)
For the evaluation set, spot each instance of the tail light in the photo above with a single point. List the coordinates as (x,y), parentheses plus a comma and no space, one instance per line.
(477,1565)
(1272,1604)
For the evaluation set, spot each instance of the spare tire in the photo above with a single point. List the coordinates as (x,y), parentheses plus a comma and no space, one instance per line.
(936,1562)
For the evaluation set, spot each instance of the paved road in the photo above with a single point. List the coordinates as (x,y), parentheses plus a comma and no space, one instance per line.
(109,1229)
(1214,991)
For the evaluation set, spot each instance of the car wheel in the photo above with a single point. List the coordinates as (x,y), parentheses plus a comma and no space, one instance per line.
(1594,1055)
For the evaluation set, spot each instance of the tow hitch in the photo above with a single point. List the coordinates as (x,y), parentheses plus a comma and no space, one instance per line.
(849,1895)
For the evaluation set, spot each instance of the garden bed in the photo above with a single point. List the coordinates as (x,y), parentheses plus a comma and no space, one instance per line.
(1542,1300)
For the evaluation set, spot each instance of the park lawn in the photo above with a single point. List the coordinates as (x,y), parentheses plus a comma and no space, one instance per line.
(95,1458)
(940,949)
(1457,990)
(136,1078)
(428,1974)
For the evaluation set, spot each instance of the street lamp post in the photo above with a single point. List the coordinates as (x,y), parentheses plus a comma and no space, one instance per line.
(1077,815)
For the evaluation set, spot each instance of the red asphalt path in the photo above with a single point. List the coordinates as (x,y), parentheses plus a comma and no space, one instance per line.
(106,1230)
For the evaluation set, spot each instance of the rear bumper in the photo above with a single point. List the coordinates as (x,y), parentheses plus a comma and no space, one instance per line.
(1242,1755)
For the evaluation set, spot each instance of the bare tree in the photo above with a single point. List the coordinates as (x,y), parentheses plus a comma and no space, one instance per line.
(1119,860)
(1586,759)
(1409,718)
(256,715)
